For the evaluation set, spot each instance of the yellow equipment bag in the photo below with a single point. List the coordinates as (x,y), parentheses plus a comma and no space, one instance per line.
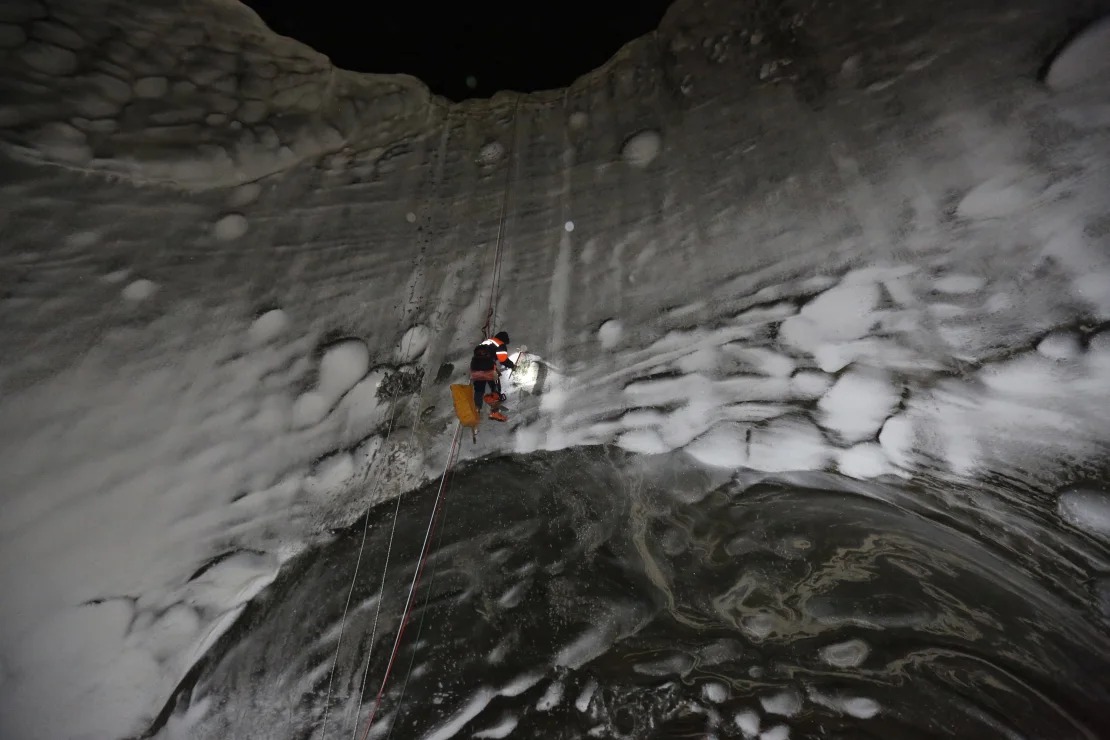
(465,409)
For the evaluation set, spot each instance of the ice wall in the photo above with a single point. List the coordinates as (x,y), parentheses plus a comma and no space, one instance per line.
(777,235)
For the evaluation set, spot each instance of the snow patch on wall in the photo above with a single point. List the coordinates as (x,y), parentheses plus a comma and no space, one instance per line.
(1084,60)
(641,149)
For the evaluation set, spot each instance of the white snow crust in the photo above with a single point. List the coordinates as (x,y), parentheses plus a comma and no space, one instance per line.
(641,149)
(785,703)
(847,654)
(1085,59)
(1088,510)
(747,722)
(778,732)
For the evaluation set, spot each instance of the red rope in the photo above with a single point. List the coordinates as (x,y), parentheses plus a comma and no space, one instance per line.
(424,552)
(453,456)
(488,328)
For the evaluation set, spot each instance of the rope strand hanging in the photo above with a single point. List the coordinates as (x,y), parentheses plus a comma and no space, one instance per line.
(495,282)
(394,401)
(422,561)
(452,458)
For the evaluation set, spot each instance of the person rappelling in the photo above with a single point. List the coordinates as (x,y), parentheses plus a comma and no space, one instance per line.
(485,371)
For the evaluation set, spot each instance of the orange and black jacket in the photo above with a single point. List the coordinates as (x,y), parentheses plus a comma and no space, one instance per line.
(502,352)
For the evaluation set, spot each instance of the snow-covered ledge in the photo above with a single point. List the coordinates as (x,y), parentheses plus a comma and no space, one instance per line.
(221,257)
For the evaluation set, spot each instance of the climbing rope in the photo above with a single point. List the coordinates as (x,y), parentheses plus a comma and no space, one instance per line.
(420,625)
(393,403)
(354,576)
(354,580)
(423,559)
(496,277)
(452,458)
(377,614)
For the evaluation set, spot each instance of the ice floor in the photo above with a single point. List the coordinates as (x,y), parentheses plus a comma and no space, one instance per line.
(598,593)
(228,327)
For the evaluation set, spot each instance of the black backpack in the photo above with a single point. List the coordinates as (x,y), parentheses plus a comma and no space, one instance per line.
(484,358)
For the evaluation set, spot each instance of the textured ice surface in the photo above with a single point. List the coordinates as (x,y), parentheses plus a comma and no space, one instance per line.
(748,723)
(798,263)
(231,227)
(849,654)
(413,343)
(1060,345)
(853,706)
(785,704)
(642,149)
(268,327)
(777,732)
(1088,510)
(867,460)
(858,403)
(469,711)
(504,728)
(1083,60)
(341,366)
(715,692)
(582,703)
(551,698)
(139,290)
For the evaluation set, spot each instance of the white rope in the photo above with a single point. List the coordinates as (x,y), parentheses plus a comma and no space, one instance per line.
(354,581)
(377,613)
(424,613)
(381,591)
(354,576)
(451,454)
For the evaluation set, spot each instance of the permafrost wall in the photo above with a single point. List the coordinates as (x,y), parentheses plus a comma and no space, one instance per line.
(783,236)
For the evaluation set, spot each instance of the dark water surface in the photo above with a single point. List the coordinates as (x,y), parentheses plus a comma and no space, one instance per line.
(591,593)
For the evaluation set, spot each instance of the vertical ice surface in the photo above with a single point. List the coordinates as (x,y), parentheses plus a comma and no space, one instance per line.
(413,343)
(715,692)
(641,149)
(747,722)
(1060,345)
(551,698)
(848,654)
(610,333)
(858,403)
(504,728)
(778,732)
(1084,60)
(139,290)
(341,367)
(785,704)
(1088,510)
(767,296)
(866,460)
(582,703)
(268,327)
(230,227)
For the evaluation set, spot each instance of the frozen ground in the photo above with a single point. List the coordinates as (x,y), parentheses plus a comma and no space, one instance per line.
(236,283)
(596,593)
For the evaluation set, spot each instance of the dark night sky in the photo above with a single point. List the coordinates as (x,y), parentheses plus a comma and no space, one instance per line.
(522,45)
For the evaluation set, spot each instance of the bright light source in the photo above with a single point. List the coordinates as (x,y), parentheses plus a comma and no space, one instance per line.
(526,374)
(569,226)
